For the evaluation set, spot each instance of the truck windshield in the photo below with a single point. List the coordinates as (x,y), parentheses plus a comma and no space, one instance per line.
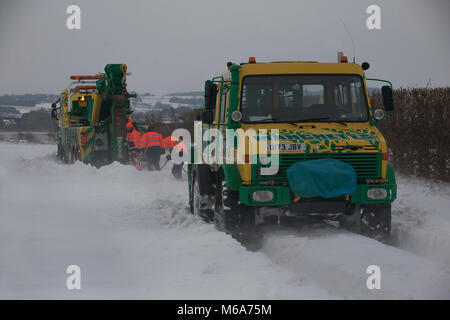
(297,98)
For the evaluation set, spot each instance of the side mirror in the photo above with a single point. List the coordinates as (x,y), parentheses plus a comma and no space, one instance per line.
(208,116)
(210,95)
(388,98)
(54,113)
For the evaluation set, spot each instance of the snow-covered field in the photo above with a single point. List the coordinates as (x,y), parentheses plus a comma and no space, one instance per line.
(133,237)
(150,102)
(26,109)
(28,136)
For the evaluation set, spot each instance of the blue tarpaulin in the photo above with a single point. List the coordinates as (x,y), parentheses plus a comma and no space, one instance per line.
(325,178)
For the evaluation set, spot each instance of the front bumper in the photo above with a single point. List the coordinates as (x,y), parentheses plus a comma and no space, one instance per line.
(283,196)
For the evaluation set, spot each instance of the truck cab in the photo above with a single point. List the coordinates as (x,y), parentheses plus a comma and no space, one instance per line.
(318,111)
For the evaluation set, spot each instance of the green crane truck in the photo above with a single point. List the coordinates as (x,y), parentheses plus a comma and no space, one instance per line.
(92,115)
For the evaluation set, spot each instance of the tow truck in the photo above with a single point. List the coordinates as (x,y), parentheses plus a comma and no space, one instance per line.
(92,113)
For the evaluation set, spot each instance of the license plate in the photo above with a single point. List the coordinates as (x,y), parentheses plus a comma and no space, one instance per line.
(286,147)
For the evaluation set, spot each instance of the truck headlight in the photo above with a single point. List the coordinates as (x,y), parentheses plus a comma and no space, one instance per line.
(262,195)
(377,193)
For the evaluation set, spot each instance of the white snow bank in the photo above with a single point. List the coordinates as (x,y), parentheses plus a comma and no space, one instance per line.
(421,218)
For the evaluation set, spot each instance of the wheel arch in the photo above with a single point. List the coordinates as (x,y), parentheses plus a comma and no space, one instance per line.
(232,177)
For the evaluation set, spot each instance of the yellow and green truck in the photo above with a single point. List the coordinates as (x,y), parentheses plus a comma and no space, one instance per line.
(321,113)
(92,114)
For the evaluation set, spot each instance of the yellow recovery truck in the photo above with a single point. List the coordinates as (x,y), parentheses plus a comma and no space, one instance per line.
(325,120)
(92,115)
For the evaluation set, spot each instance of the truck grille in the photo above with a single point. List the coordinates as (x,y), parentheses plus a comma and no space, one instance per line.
(366,165)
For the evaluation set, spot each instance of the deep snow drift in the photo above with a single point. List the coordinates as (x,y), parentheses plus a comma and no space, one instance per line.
(133,237)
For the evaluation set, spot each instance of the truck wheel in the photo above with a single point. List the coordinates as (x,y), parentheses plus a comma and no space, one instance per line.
(59,154)
(234,218)
(74,155)
(376,221)
(190,191)
(200,203)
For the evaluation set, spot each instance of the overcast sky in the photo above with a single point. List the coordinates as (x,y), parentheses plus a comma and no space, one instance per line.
(174,45)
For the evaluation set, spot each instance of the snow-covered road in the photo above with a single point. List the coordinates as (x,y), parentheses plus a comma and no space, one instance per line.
(133,237)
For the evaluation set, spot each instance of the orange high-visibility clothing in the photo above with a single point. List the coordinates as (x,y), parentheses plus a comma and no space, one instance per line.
(180,147)
(178,153)
(170,142)
(134,137)
(151,139)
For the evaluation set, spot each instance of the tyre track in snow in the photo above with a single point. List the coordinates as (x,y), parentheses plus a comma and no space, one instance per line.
(196,261)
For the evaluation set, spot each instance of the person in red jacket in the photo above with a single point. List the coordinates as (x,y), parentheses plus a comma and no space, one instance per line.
(133,142)
(179,150)
(170,142)
(153,143)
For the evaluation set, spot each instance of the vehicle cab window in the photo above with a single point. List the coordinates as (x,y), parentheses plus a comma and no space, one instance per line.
(303,98)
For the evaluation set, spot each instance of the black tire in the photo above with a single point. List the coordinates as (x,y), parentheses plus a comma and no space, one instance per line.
(59,153)
(234,218)
(206,179)
(190,185)
(64,155)
(199,204)
(376,221)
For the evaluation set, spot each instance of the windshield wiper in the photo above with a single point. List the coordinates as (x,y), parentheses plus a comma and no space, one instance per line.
(275,119)
(267,120)
(319,119)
